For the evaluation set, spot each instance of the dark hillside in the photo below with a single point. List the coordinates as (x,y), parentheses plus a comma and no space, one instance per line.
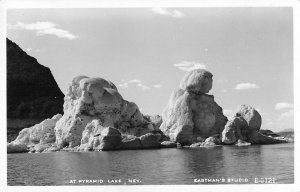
(32,91)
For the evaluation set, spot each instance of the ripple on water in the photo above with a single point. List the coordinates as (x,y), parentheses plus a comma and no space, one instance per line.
(164,166)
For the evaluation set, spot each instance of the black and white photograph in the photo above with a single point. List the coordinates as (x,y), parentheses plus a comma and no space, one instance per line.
(119,96)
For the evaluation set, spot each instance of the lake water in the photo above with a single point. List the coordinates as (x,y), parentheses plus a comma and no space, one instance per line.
(222,165)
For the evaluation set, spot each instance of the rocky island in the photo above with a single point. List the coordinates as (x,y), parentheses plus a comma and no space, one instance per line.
(96,117)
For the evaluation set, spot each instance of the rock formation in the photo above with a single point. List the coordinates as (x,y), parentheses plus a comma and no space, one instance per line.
(251,116)
(98,100)
(96,117)
(192,114)
(208,142)
(36,137)
(168,144)
(150,140)
(288,134)
(32,91)
(233,130)
(244,128)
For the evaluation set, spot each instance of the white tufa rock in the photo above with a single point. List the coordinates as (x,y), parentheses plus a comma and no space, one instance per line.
(190,113)
(38,134)
(96,100)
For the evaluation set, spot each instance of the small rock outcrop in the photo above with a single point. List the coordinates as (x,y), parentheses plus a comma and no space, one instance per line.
(16,148)
(150,140)
(251,115)
(110,139)
(38,135)
(208,142)
(191,113)
(168,144)
(235,129)
(244,127)
(131,142)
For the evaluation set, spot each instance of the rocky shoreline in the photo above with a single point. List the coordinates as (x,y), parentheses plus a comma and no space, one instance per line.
(97,118)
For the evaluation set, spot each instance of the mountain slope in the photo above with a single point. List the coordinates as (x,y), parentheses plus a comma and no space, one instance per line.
(32,91)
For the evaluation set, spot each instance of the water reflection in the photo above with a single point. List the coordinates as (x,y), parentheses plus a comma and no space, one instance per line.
(165,166)
(247,159)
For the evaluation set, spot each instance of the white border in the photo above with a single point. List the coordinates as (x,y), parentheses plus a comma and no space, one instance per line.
(9,4)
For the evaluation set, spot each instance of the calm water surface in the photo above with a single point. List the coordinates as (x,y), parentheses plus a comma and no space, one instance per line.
(160,166)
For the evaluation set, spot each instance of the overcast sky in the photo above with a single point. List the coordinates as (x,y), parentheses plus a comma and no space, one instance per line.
(146,52)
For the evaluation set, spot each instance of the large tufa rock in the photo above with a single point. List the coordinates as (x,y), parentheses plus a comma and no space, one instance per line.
(190,112)
(41,133)
(96,99)
(243,129)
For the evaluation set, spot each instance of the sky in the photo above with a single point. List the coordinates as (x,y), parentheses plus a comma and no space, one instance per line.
(146,52)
